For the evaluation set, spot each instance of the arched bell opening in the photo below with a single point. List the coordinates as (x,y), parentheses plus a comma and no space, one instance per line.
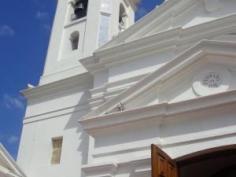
(80,8)
(215,162)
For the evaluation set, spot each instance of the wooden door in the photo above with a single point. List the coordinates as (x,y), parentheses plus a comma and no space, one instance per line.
(162,164)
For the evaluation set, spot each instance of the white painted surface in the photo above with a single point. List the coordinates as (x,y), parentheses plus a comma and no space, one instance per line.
(8,167)
(152,69)
(99,26)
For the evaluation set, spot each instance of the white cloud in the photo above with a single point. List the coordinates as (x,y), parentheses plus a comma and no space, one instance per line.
(12,139)
(6,31)
(41,15)
(46,27)
(12,102)
(43,18)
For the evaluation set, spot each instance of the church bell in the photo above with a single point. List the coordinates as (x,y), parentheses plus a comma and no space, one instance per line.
(79,9)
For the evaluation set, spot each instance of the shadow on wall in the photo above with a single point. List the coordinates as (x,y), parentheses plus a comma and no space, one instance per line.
(83,138)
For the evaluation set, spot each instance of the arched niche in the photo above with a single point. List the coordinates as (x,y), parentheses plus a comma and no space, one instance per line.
(80,8)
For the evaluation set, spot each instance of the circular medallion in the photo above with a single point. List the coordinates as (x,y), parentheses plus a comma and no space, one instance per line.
(211,80)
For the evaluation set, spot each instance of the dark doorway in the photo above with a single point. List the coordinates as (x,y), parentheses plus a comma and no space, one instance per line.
(207,163)
(227,172)
(216,162)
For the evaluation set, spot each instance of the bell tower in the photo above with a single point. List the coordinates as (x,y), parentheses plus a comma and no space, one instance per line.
(80,27)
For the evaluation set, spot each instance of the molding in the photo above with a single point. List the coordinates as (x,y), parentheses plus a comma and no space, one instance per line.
(75,22)
(56,113)
(183,60)
(159,111)
(129,51)
(108,151)
(141,165)
(83,80)
(11,162)
(100,94)
(123,117)
(108,169)
(168,16)
(171,39)
(219,135)
(168,11)
(125,148)
(103,170)
(158,11)
(57,75)
(105,91)
(140,146)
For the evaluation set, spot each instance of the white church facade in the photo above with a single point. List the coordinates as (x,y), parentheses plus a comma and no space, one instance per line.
(111,88)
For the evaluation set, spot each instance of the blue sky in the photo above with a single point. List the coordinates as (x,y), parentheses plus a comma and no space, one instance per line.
(25,27)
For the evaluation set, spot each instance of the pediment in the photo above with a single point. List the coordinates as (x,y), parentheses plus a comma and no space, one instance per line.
(173,14)
(8,167)
(206,69)
(206,76)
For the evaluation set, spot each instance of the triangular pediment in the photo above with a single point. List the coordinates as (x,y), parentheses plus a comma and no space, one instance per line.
(206,69)
(8,166)
(173,14)
(206,75)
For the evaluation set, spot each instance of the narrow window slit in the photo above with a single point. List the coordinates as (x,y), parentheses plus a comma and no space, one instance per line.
(56,150)
(74,40)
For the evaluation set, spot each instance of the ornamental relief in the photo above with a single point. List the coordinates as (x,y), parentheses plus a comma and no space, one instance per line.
(211,80)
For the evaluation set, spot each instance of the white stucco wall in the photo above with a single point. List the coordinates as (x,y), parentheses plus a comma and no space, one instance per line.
(60,57)
(67,92)
(53,111)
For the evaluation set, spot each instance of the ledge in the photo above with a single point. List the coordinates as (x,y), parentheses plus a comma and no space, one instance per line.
(109,168)
(105,169)
(41,90)
(157,42)
(159,111)
(77,21)
(16,171)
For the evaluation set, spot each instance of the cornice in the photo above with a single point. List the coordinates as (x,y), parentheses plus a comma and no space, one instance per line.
(128,51)
(82,80)
(105,166)
(157,12)
(141,146)
(108,168)
(170,39)
(161,39)
(167,11)
(141,165)
(57,113)
(11,162)
(159,111)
